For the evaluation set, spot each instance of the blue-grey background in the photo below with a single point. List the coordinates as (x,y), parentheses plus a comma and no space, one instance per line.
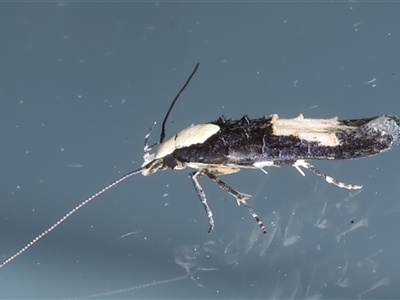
(80,85)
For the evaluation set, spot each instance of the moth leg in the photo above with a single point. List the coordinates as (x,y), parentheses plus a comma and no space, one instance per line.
(240,197)
(213,171)
(146,147)
(329,179)
(193,176)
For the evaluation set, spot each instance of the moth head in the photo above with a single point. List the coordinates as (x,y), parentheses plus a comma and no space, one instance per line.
(195,134)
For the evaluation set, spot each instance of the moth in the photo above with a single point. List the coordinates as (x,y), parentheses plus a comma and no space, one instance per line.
(225,146)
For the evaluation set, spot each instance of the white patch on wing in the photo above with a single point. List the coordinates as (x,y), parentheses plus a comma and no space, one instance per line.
(312,130)
(195,134)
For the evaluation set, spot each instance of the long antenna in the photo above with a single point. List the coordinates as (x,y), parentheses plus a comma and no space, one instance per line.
(67,215)
(162,136)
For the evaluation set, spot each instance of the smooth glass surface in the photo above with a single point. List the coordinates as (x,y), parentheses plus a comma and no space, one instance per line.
(81,84)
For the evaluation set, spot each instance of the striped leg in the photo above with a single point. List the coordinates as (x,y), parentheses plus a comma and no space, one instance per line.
(146,147)
(240,197)
(193,176)
(329,179)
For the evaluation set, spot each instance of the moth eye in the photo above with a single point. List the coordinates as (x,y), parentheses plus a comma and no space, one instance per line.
(170,161)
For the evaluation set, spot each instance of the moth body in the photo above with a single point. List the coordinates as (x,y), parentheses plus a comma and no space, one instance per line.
(248,143)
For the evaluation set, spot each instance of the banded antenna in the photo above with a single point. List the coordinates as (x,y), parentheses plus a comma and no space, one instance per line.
(103,190)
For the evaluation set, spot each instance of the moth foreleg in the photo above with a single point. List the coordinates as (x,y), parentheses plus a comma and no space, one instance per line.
(146,147)
(193,176)
(329,179)
(240,197)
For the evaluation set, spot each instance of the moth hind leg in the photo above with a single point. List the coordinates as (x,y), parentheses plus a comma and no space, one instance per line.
(240,197)
(329,179)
